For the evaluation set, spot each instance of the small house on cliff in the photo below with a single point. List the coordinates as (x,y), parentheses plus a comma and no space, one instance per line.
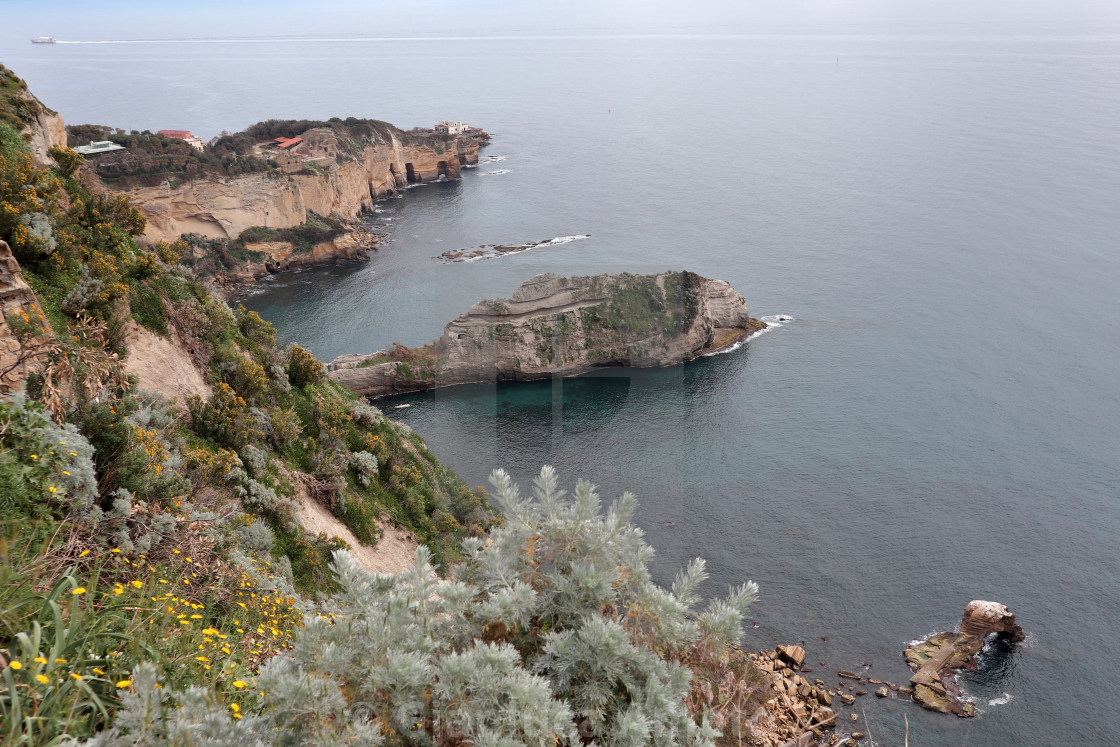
(185,135)
(287,143)
(451,128)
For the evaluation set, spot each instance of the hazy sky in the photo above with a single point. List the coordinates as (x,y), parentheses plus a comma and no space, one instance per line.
(130,19)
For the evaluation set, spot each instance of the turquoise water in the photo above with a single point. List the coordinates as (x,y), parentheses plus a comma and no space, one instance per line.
(937,211)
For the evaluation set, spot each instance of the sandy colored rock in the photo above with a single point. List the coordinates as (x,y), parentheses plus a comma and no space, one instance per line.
(563,326)
(15,295)
(795,655)
(162,365)
(224,207)
(394,552)
(939,657)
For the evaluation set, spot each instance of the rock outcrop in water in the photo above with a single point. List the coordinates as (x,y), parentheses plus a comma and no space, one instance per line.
(557,326)
(939,657)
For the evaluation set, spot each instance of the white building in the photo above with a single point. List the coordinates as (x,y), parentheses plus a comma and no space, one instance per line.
(452,128)
(98,147)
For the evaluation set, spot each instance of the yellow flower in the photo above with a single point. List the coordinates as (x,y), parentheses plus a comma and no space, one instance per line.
(98,671)
(124,683)
(40,660)
(60,661)
(137,583)
(34,456)
(53,489)
(234,707)
(118,590)
(43,679)
(176,551)
(77,676)
(79,590)
(115,549)
(84,553)
(16,665)
(240,683)
(201,658)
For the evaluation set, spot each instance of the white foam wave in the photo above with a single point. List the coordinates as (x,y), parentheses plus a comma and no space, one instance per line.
(772,322)
(1001,700)
(739,344)
(496,172)
(492,159)
(563,240)
(401,407)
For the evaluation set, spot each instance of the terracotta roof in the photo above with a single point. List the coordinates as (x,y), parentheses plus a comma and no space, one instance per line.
(180,134)
(286,142)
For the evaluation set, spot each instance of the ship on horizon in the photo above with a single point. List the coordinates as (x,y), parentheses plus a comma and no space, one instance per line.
(44,40)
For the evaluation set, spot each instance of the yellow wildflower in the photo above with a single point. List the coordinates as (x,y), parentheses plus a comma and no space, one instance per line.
(43,679)
(240,683)
(137,583)
(77,676)
(79,590)
(124,683)
(16,665)
(83,553)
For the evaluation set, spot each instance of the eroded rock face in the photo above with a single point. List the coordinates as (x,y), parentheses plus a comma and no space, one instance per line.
(939,657)
(15,295)
(564,326)
(223,208)
(45,131)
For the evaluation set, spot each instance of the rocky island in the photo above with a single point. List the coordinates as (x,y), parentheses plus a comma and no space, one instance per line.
(563,326)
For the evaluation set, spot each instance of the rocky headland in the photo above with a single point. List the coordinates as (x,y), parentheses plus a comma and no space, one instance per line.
(275,176)
(328,173)
(563,326)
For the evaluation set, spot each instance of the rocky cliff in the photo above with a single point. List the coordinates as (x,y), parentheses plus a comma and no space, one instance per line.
(322,182)
(16,296)
(557,326)
(41,127)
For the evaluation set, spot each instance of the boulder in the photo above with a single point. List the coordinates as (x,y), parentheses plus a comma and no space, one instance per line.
(795,655)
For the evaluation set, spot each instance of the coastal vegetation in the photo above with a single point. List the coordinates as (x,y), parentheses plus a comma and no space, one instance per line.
(157,583)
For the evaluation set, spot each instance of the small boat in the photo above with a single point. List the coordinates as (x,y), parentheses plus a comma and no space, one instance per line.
(44,40)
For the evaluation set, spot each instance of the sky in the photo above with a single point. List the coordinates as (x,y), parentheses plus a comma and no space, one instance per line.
(132,19)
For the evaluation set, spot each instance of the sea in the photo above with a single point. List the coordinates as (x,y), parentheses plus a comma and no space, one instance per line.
(935,210)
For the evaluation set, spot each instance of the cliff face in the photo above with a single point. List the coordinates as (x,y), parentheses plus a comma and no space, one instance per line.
(564,326)
(327,185)
(47,131)
(15,295)
(20,108)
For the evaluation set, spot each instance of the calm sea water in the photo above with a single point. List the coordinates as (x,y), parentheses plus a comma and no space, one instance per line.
(938,212)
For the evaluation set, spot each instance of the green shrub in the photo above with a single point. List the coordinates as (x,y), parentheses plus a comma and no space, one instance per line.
(303,367)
